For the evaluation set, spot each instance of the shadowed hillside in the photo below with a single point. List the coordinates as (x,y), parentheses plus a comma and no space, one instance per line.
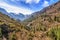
(10,29)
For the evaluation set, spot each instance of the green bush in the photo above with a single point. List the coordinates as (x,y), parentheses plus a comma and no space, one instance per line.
(54,33)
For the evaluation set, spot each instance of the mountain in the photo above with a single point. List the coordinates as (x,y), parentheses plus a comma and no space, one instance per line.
(3,11)
(41,25)
(45,24)
(11,29)
(8,27)
(19,16)
(54,8)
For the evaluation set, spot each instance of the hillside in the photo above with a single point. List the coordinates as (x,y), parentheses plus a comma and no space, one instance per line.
(50,13)
(46,23)
(10,29)
(52,9)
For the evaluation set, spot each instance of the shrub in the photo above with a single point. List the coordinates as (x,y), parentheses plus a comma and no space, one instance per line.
(54,33)
(0,34)
(57,19)
(12,36)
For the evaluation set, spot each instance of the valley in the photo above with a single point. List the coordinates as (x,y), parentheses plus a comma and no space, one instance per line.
(41,25)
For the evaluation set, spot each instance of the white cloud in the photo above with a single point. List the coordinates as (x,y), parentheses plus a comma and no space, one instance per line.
(45,4)
(37,1)
(15,0)
(14,9)
(31,1)
(28,1)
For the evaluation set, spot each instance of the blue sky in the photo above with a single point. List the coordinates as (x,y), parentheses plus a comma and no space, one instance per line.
(25,6)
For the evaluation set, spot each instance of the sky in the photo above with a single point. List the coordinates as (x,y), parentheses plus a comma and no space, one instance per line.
(25,6)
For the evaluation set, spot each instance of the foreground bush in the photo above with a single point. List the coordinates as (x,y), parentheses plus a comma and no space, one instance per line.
(54,33)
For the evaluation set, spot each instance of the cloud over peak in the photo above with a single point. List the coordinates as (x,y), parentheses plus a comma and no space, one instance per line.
(14,9)
(31,1)
(25,6)
(46,3)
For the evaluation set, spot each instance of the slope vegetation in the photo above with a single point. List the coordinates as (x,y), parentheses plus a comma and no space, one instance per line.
(45,24)
(11,29)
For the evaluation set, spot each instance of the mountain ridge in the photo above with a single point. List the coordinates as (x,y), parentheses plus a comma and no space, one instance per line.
(19,16)
(35,15)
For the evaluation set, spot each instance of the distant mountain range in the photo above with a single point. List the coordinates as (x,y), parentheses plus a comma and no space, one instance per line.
(19,16)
